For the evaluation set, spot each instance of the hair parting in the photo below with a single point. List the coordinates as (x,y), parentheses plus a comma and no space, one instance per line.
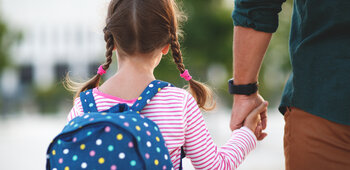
(134,26)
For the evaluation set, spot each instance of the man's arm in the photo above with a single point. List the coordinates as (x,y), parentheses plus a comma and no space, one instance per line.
(255,21)
(249,47)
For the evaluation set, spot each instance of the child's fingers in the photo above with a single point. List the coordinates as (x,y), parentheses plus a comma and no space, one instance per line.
(263,117)
(260,109)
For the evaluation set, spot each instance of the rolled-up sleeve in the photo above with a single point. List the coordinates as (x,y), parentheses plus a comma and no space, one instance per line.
(261,15)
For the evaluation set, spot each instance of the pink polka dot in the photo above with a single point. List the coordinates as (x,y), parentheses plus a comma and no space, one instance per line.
(148,133)
(142,116)
(92,153)
(114,167)
(60,160)
(107,129)
(126,124)
(74,139)
(130,145)
(91,119)
(147,156)
(164,167)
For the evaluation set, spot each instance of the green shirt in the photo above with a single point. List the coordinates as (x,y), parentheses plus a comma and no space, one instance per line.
(319,52)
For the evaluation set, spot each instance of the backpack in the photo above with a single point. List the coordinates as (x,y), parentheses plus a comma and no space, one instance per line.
(118,138)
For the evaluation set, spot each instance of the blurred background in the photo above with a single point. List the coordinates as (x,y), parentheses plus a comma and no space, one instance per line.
(42,40)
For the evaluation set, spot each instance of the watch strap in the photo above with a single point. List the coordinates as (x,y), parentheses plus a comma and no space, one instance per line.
(245,89)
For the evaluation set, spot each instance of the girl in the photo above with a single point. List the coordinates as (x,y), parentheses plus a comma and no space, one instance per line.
(141,32)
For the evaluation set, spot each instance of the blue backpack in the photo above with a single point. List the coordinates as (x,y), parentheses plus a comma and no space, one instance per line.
(118,138)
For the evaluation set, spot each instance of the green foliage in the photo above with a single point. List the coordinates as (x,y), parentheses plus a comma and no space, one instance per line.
(49,100)
(208,40)
(276,67)
(7,39)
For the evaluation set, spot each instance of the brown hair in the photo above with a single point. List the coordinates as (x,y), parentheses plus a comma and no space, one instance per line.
(142,26)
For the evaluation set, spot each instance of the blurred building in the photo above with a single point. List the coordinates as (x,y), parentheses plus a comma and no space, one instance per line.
(58,35)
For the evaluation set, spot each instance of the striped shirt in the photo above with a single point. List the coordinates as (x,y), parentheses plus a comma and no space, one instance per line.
(181,123)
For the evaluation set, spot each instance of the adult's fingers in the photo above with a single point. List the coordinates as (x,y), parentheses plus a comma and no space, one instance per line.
(262,136)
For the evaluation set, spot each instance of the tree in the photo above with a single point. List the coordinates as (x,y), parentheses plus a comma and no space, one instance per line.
(208,40)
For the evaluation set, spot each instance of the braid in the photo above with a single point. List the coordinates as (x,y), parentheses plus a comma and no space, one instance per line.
(200,91)
(177,55)
(109,46)
(94,81)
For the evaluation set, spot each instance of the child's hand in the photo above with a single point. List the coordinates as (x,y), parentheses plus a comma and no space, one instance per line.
(253,121)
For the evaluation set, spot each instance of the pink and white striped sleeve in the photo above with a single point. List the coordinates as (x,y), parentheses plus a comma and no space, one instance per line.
(77,109)
(200,148)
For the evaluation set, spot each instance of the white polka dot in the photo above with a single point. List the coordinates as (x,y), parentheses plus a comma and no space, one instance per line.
(65,151)
(148,144)
(83,165)
(54,169)
(98,142)
(166,157)
(122,117)
(146,124)
(151,85)
(121,155)
(148,101)
(86,116)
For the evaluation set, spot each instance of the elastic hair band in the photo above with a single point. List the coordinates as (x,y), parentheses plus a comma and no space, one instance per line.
(186,75)
(101,71)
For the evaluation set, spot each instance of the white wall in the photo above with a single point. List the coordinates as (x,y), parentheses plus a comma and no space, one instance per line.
(56,31)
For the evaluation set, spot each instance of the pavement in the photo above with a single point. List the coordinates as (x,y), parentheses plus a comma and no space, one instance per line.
(24,139)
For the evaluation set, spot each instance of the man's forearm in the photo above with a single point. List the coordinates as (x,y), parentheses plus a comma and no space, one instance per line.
(249,48)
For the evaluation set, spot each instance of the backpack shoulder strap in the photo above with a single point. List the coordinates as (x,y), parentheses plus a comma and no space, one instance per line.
(88,101)
(151,90)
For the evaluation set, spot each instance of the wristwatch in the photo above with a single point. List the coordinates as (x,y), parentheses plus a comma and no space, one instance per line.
(245,89)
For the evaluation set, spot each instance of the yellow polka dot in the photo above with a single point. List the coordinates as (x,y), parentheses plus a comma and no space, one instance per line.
(71,123)
(53,152)
(138,112)
(101,160)
(157,138)
(82,146)
(119,136)
(138,128)
(139,98)
(103,113)
(66,168)
(159,89)
(156,162)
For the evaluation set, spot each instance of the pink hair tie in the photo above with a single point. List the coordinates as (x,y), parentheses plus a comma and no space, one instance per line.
(186,75)
(100,70)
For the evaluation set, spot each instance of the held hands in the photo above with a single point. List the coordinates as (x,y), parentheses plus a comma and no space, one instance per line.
(253,120)
(245,105)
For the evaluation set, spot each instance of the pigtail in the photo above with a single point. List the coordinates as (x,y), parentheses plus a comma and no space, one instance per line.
(77,87)
(202,93)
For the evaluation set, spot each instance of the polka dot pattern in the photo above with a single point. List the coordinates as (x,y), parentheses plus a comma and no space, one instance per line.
(107,140)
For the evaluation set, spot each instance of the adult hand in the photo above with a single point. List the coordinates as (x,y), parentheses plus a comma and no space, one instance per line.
(242,106)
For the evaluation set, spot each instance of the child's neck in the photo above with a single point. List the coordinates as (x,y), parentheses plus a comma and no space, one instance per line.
(129,81)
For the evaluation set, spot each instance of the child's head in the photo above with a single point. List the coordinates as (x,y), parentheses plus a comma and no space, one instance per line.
(141,27)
